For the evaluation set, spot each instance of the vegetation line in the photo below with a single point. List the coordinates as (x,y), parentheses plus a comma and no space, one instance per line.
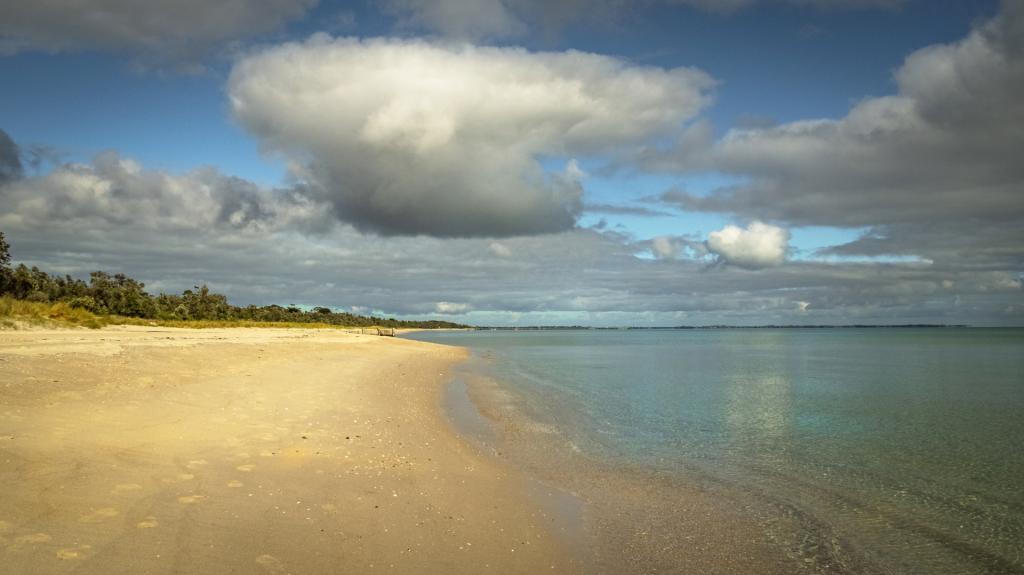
(34,297)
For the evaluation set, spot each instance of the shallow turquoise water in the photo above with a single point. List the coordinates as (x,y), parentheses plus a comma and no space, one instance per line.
(906,442)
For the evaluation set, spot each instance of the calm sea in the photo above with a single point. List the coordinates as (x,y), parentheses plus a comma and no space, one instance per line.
(907,443)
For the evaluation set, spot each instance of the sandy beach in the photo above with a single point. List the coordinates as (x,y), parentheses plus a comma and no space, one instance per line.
(158,450)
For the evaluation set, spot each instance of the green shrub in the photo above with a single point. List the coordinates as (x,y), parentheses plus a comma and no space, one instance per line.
(38,296)
(85,302)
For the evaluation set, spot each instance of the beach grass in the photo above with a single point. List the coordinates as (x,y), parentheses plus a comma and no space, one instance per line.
(22,314)
(16,314)
(218,323)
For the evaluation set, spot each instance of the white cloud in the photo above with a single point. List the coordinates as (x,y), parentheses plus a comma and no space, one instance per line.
(410,137)
(573,171)
(183,30)
(449,308)
(758,246)
(664,247)
(932,171)
(944,148)
(500,250)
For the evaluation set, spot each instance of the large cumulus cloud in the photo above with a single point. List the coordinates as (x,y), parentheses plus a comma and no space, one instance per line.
(179,31)
(410,137)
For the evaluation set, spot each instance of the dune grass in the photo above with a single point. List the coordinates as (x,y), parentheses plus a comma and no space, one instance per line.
(18,314)
(215,323)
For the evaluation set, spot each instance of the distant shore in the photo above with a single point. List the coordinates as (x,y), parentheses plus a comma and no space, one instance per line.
(164,450)
(716,327)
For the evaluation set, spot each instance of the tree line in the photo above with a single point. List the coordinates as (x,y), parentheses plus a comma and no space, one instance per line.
(118,294)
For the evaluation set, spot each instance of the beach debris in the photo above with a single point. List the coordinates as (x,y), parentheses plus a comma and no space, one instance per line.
(73,552)
(125,487)
(99,515)
(270,563)
(31,539)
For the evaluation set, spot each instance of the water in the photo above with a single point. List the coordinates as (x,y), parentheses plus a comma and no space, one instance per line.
(906,444)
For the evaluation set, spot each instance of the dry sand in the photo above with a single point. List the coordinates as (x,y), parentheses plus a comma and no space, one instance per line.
(157,450)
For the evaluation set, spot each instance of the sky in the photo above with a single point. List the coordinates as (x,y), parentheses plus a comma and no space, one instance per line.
(524,162)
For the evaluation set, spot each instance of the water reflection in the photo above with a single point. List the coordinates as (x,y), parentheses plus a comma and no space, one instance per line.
(758,414)
(904,442)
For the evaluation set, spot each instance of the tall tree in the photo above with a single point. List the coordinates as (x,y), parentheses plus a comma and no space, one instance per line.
(5,263)
(5,252)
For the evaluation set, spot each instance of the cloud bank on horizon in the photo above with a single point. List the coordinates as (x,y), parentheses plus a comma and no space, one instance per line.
(434,177)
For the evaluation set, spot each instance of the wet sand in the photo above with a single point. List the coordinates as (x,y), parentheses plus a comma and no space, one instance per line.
(157,450)
(640,520)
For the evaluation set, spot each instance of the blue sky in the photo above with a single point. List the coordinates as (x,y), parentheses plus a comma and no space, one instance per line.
(773,66)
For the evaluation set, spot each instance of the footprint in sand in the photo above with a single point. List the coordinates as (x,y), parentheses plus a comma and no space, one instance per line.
(189,499)
(247,467)
(270,563)
(125,488)
(235,483)
(32,539)
(147,523)
(73,552)
(179,478)
(99,515)
(196,463)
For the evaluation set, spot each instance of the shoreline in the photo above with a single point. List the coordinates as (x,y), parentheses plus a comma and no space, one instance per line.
(279,451)
(733,469)
(634,519)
